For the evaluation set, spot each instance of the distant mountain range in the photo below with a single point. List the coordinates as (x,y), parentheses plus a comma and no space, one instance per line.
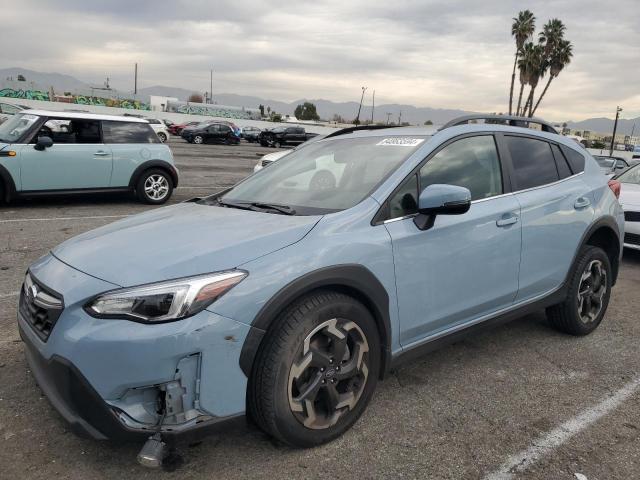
(326,108)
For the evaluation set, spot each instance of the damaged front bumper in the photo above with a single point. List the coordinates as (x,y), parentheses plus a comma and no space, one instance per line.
(120,380)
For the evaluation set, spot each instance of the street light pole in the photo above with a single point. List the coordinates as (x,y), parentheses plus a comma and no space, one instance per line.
(615,127)
(211,88)
(373,106)
(357,122)
(388,115)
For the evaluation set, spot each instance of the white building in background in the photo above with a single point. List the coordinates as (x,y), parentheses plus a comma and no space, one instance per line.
(160,104)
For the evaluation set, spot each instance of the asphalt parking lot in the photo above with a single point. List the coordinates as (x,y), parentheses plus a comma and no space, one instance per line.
(517,401)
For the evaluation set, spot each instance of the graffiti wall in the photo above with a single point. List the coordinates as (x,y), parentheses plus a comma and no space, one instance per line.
(213,110)
(76,99)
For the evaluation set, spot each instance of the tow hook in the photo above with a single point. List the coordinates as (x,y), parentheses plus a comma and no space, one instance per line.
(153,452)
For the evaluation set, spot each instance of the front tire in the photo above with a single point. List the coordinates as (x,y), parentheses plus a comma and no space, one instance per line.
(316,371)
(154,187)
(162,137)
(588,296)
(198,140)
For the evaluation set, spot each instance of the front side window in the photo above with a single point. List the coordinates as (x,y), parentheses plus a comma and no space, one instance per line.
(64,130)
(128,132)
(533,162)
(16,127)
(326,176)
(471,162)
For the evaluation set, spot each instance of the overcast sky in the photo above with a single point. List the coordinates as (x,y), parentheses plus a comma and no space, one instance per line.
(443,54)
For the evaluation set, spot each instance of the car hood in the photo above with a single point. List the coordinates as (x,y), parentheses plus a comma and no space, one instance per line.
(178,241)
(630,195)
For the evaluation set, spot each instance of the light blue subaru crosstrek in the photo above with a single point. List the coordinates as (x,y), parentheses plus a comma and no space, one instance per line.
(45,153)
(287,297)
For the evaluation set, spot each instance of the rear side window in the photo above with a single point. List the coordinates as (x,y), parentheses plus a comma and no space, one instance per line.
(128,132)
(576,159)
(563,167)
(533,162)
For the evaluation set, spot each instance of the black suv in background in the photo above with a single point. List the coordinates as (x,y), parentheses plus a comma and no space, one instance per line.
(281,136)
(210,133)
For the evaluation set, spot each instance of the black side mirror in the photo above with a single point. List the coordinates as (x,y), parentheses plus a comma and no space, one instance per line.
(43,142)
(438,199)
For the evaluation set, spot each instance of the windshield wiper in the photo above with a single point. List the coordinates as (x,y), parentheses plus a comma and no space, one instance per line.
(284,209)
(259,207)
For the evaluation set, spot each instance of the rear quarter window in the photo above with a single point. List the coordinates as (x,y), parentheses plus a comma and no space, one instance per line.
(128,132)
(576,159)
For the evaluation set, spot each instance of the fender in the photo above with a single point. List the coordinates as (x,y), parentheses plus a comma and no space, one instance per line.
(153,164)
(608,222)
(8,182)
(354,279)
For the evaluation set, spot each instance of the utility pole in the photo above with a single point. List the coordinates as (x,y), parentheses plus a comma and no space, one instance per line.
(357,122)
(211,88)
(615,127)
(400,118)
(135,80)
(388,115)
(373,106)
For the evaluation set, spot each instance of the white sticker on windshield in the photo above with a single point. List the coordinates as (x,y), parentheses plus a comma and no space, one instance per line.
(401,141)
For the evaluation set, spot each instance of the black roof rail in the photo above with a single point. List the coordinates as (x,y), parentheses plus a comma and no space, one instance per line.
(511,120)
(344,131)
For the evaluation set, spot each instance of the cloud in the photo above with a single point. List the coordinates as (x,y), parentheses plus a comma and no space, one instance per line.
(427,53)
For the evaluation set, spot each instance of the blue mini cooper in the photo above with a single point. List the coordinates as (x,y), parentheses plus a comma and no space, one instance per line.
(44,153)
(289,296)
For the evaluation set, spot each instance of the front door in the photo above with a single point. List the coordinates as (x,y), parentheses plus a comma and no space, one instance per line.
(466,266)
(77,159)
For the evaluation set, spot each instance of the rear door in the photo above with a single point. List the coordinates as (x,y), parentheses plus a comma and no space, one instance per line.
(556,210)
(78,158)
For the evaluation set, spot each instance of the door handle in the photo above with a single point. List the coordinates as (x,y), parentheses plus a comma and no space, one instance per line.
(582,202)
(101,153)
(506,220)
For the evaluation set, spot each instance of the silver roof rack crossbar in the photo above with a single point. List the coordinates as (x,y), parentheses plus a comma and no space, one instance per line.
(511,120)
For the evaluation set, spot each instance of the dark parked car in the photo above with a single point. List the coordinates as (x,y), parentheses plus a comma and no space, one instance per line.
(281,136)
(211,133)
(250,134)
(176,128)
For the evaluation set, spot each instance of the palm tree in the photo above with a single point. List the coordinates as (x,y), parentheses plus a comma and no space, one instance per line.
(560,57)
(526,65)
(551,34)
(522,28)
(538,68)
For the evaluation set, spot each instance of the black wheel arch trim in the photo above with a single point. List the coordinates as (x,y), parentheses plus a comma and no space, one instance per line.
(161,164)
(353,278)
(608,222)
(6,181)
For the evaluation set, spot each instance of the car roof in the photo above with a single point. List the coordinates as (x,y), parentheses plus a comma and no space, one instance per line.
(84,116)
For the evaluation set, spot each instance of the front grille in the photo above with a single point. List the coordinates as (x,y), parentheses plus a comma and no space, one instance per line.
(40,307)
(632,216)
(632,238)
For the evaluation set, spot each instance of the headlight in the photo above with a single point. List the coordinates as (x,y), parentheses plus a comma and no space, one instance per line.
(165,301)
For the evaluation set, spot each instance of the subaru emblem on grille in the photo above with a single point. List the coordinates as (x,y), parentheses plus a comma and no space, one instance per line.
(33,291)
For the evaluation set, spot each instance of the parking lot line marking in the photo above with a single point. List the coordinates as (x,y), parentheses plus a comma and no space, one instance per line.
(9,295)
(55,219)
(548,442)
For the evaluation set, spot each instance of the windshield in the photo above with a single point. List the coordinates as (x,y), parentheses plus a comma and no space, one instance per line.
(604,162)
(630,176)
(326,176)
(16,126)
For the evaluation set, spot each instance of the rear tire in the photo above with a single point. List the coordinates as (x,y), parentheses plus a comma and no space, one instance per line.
(3,194)
(588,295)
(154,187)
(316,370)
(198,140)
